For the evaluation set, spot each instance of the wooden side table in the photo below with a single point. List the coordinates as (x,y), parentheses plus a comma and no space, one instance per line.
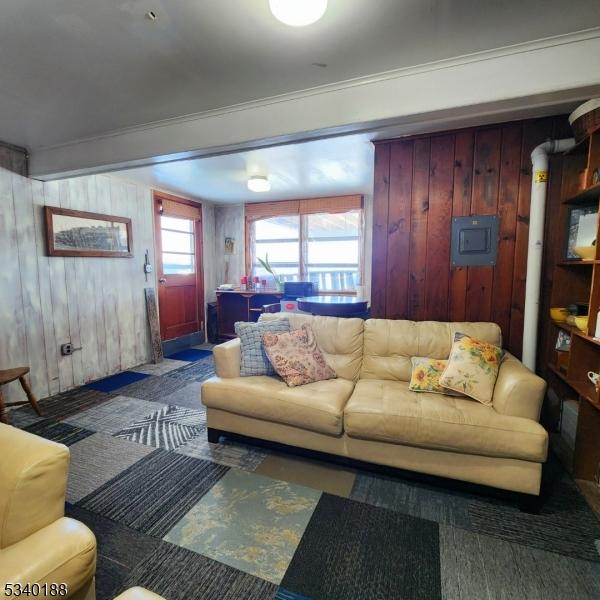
(9,375)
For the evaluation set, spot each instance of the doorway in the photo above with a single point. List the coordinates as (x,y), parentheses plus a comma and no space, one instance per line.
(179,273)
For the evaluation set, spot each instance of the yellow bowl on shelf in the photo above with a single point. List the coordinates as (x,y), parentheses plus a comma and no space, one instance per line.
(585,252)
(559,314)
(581,323)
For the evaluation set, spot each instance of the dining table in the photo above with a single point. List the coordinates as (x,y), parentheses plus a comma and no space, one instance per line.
(334,306)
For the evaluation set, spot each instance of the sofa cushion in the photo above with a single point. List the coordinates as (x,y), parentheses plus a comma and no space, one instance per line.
(472,368)
(388,411)
(296,357)
(316,406)
(254,359)
(340,340)
(389,345)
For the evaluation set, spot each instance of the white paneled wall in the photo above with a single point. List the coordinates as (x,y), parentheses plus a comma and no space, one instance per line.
(95,303)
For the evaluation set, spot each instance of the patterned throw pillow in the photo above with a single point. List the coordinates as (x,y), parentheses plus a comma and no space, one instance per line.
(254,361)
(296,356)
(472,368)
(425,377)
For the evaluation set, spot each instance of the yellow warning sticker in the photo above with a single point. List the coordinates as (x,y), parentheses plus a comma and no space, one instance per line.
(540,176)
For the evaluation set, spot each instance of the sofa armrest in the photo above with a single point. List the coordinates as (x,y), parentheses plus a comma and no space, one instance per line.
(518,391)
(227,359)
(62,552)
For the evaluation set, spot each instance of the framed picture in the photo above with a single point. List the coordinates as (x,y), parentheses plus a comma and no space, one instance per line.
(229,245)
(79,233)
(582,225)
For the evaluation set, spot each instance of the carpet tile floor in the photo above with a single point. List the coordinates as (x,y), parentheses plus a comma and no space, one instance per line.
(190,519)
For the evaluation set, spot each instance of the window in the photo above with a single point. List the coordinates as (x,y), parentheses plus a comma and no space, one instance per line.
(178,252)
(322,247)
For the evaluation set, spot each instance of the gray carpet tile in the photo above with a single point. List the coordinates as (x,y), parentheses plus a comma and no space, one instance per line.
(153,388)
(416,499)
(189,396)
(22,416)
(197,371)
(97,459)
(352,550)
(565,525)
(168,427)
(155,492)
(68,403)
(58,432)
(486,568)
(113,415)
(160,368)
(230,454)
(177,573)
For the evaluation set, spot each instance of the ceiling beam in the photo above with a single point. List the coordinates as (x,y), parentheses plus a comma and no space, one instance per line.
(504,82)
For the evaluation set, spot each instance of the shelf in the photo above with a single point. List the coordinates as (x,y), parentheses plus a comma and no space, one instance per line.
(587,338)
(565,326)
(578,263)
(585,389)
(586,195)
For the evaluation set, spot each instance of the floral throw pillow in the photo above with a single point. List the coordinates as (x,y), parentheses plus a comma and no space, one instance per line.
(296,357)
(426,373)
(472,368)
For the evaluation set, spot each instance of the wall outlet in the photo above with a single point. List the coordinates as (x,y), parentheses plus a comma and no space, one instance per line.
(66,349)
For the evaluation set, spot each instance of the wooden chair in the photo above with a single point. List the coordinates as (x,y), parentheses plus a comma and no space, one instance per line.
(9,375)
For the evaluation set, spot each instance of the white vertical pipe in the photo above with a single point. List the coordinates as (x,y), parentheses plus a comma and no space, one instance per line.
(537,213)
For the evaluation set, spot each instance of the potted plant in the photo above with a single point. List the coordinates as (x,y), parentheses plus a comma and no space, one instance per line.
(269,269)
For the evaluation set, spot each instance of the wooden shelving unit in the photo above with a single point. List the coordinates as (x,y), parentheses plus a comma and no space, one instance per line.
(578,281)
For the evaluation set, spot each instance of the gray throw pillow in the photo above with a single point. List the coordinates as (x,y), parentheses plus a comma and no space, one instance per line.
(254,358)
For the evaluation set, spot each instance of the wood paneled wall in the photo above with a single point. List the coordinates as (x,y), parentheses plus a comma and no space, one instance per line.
(95,303)
(420,184)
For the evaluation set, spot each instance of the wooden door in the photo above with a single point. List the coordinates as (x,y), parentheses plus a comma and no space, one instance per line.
(178,236)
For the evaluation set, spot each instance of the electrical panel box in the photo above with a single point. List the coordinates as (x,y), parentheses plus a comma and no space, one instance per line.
(474,241)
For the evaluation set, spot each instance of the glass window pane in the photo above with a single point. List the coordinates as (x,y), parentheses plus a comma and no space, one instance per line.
(181,264)
(173,241)
(334,279)
(186,225)
(279,252)
(333,252)
(277,228)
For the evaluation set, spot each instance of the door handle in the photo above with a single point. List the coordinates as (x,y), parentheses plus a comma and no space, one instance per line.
(162,280)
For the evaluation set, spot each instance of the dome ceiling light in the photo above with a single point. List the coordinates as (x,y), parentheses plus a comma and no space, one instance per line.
(259,183)
(298,13)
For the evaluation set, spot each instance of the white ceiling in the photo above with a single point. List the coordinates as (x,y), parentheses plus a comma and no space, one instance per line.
(76,68)
(329,167)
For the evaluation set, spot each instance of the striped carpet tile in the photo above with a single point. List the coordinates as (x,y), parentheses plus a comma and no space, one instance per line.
(167,428)
(196,371)
(174,572)
(68,403)
(152,495)
(153,388)
(58,432)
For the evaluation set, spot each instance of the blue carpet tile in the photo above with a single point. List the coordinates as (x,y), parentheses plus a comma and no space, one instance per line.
(63,433)
(190,355)
(114,382)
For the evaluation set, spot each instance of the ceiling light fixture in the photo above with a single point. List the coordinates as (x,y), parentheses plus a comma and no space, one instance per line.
(259,183)
(298,13)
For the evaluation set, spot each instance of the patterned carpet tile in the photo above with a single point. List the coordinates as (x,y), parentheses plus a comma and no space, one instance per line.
(196,371)
(22,416)
(189,396)
(168,427)
(58,432)
(177,573)
(487,568)
(153,388)
(69,403)
(160,368)
(412,498)
(353,550)
(249,522)
(283,594)
(96,460)
(153,494)
(113,415)
(230,454)
(565,525)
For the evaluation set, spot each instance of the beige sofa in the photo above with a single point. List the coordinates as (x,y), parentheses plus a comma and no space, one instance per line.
(369,414)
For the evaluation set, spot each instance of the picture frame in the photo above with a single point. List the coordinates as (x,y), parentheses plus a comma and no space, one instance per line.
(575,214)
(87,234)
